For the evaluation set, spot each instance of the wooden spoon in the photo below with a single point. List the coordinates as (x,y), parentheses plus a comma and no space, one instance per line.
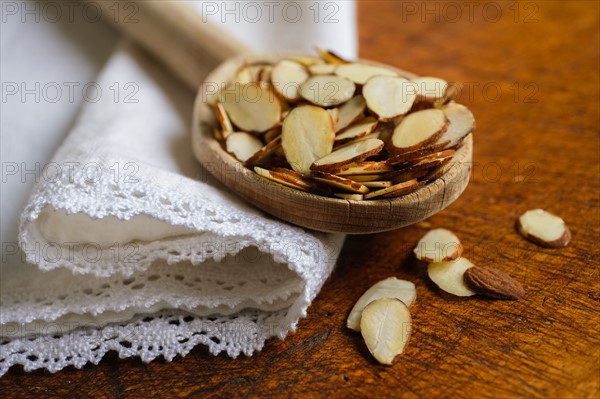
(179,38)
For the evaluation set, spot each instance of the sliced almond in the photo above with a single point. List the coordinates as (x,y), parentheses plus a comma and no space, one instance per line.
(242,145)
(388,288)
(389,96)
(306,61)
(335,116)
(396,190)
(427,162)
(330,57)
(218,134)
(264,152)
(288,178)
(351,111)
(360,73)
(430,88)
(377,184)
(386,325)
(450,93)
(244,75)
(359,129)
(438,245)
(348,154)
(401,176)
(418,129)
(251,107)
(346,196)
(272,134)
(449,276)
(410,157)
(460,123)
(224,121)
(363,178)
(340,182)
(362,168)
(544,229)
(322,69)
(287,77)
(307,135)
(265,74)
(436,172)
(327,90)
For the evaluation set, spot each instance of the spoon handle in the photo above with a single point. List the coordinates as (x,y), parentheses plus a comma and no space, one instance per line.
(177,35)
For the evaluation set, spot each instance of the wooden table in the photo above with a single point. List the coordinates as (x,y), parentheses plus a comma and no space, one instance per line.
(531,78)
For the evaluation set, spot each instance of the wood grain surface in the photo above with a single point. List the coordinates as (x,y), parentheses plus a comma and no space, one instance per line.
(531,78)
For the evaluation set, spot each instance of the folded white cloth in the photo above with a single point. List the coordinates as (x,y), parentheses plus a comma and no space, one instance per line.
(132,246)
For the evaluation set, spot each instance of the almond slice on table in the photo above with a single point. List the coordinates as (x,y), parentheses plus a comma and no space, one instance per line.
(544,228)
(438,245)
(288,178)
(396,190)
(327,90)
(330,57)
(417,130)
(287,77)
(391,287)
(360,73)
(306,136)
(359,129)
(251,107)
(340,182)
(264,152)
(449,276)
(350,153)
(493,283)
(461,122)
(322,69)
(351,111)
(242,145)
(226,127)
(346,196)
(362,168)
(389,97)
(386,325)
(430,88)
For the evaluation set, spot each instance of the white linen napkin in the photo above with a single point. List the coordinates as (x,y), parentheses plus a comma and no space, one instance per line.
(132,246)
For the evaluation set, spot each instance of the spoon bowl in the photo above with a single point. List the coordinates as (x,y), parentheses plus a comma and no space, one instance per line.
(310,210)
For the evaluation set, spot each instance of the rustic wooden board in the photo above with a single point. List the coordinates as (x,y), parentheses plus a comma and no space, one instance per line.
(538,149)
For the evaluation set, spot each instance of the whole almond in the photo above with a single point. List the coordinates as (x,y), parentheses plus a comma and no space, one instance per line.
(493,283)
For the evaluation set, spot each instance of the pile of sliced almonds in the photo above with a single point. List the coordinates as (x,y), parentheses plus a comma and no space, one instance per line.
(342,129)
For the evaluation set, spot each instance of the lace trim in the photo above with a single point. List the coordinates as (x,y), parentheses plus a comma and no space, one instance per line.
(166,334)
(171,273)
